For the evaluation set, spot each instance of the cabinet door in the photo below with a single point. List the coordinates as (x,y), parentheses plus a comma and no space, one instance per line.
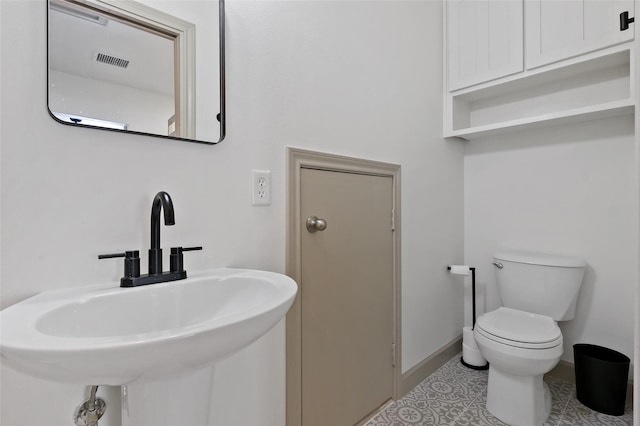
(484,40)
(560,29)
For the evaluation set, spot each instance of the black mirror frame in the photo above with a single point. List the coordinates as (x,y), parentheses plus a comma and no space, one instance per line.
(221,116)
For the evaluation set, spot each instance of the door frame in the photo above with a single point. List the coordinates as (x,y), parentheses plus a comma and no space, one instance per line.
(298,159)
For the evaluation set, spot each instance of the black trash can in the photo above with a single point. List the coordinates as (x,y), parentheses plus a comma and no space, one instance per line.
(601,378)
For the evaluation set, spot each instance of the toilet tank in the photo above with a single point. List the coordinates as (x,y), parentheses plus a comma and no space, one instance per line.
(539,283)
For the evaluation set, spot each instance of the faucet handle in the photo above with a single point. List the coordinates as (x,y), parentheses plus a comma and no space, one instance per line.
(176,260)
(190,248)
(126,254)
(131,262)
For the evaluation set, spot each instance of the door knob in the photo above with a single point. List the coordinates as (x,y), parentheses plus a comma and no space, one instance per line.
(314,224)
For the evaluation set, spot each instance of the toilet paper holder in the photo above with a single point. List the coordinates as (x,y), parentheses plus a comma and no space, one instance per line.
(466,270)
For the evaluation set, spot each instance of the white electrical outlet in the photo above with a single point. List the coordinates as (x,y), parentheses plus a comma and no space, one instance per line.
(261,188)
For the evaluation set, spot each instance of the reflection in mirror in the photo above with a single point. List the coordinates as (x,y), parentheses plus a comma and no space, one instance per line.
(135,66)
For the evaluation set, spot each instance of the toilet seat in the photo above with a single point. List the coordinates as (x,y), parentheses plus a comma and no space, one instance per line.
(520,329)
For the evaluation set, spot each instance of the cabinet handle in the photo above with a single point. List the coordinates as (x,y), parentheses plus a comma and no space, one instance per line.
(625,21)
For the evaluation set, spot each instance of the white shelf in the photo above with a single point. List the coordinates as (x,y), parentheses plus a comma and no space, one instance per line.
(576,115)
(597,87)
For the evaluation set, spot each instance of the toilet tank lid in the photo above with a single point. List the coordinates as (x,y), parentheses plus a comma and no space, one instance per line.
(540,259)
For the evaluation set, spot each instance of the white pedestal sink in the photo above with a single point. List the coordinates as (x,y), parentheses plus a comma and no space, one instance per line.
(184,400)
(159,342)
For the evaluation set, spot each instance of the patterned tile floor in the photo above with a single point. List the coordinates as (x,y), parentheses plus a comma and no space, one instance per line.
(455,395)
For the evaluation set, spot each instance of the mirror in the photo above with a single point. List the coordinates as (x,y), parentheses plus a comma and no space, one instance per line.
(153,67)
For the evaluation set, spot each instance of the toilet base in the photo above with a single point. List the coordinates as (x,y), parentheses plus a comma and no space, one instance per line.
(518,400)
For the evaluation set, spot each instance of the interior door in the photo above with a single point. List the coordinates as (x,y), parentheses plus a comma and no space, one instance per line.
(346,296)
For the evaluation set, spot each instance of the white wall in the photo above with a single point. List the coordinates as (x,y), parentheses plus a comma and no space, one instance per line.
(566,190)
(353,78)
(141,110)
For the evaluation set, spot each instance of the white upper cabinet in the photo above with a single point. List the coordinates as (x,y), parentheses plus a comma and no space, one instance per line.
(522,64)
(484,40)
(560,29)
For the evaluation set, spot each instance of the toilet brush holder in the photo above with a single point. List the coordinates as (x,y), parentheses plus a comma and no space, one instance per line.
(471,355)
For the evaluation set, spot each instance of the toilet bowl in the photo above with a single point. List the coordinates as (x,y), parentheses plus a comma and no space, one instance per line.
(521,340)
(520,347)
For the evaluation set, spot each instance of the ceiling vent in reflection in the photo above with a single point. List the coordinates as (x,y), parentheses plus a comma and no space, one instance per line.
(111,60)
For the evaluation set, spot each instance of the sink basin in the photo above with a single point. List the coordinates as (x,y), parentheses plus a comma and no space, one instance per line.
(107,335)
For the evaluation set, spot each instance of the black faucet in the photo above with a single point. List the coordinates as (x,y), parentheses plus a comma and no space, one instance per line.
(162,201)
(132,277)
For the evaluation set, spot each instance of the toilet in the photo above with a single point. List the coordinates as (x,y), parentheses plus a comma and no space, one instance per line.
(522,340)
